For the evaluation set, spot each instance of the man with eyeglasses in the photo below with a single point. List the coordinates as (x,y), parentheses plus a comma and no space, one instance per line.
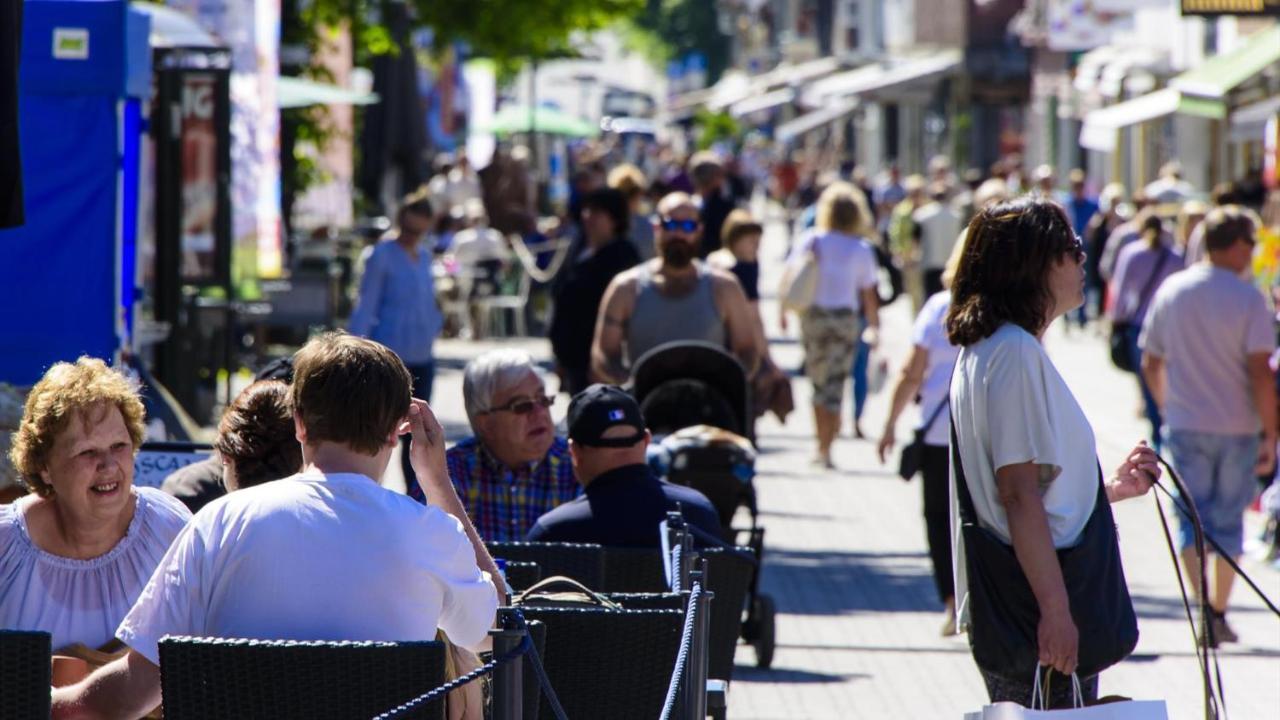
(673,297)
(514,468)
(1206,342)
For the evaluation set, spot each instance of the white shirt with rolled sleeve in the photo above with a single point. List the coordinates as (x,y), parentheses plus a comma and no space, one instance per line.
(315,557)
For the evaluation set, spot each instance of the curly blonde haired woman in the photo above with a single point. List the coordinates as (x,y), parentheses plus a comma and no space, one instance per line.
(75,554)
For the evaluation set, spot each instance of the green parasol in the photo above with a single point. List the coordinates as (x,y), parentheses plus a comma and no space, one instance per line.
(520,119)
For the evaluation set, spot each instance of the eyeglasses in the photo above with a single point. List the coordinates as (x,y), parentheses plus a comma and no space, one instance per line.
(1076,249)
(685,226)
(523,406)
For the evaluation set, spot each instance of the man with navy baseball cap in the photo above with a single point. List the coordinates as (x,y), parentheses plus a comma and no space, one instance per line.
(622,501)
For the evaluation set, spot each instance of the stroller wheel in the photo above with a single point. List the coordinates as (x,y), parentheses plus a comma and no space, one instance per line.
(764,640)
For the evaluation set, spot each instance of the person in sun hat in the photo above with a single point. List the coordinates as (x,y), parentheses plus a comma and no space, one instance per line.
(622,501)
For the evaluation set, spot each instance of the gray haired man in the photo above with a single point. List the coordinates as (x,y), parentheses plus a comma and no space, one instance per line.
(513,468)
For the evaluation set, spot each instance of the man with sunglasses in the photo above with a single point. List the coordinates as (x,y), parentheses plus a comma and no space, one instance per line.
(514,468)
(1206,342)
(673,297)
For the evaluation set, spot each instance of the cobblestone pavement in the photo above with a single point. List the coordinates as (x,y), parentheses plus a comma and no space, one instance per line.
(858,625)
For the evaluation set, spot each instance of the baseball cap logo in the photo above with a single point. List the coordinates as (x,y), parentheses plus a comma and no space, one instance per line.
(616,415)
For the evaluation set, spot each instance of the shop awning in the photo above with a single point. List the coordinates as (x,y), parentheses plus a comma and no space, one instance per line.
(887,76)
(294,92)
(1101,126)
(1249,122)
(793,129)
(766,101)
(1218,76)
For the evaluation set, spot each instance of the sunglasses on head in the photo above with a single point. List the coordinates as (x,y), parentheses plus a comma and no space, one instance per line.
(524,406)
(672,225)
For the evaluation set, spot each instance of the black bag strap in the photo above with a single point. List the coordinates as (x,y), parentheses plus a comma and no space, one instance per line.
(936,412)
(968,515)
(1145,296)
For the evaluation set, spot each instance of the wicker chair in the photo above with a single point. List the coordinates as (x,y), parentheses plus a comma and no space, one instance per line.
(633,570)
(24,674)
(606,663)
(639,570)
(582,562)
(213,678)
(522,575)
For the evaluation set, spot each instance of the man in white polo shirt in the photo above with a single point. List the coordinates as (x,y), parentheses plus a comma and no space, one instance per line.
(1206,341)
(327,554)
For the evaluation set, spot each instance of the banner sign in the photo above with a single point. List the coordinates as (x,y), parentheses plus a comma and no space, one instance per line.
(1231,7)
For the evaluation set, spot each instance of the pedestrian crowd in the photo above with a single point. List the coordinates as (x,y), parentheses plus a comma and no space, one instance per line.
(247,543)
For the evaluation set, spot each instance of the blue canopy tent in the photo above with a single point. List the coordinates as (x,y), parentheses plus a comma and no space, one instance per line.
(67,274)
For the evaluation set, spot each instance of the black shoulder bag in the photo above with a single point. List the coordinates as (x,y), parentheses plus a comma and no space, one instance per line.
(1120,356)
(913,455)
(1003,613)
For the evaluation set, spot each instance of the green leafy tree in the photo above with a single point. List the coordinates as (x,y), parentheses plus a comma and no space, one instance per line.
(670,29)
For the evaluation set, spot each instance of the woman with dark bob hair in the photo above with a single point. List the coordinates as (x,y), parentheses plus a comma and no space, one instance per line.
(1025,466)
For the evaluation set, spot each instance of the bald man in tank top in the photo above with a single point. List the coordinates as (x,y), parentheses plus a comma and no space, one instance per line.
(672,297)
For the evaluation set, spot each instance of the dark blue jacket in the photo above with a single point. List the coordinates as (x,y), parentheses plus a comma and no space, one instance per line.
(622,508)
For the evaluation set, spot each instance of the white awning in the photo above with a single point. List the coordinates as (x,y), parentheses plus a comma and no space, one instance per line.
(762,102)
(798,73)
(792,129)
(1100,126)
(1249,123)
(879,78)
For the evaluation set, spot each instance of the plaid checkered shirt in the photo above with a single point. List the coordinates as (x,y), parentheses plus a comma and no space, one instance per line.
(504,503)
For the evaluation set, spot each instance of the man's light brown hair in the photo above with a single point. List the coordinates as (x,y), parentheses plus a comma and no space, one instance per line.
(65,390)
(1223,226)
(350,391)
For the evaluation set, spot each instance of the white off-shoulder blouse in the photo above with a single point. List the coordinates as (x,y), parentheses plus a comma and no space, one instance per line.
(82,601)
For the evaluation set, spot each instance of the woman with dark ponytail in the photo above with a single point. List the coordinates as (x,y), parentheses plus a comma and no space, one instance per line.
(1039,582)
(1140,270)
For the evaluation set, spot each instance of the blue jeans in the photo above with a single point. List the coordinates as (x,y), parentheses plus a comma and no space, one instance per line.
(1148,400)
(1218,472)
(861,359)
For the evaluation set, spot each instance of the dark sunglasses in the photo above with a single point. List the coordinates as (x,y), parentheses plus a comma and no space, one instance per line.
(1075,249)
(685,226)
(524,406)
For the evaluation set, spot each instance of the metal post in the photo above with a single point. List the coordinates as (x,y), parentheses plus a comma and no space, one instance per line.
(695,679)
(508,678)
(678,536)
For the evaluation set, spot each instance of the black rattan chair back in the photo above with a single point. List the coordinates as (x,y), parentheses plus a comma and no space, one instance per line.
(580,561)
(24,674)
(214,678)
(633,570)
(606,663)
(522,575)
(729,575)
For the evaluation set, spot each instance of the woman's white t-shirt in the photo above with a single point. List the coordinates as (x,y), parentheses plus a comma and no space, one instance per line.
(1011,406)
(846,265)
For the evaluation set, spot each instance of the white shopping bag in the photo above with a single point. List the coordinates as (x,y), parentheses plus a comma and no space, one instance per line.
(1128,710)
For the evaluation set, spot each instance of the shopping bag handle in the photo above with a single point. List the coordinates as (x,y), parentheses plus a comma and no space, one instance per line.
(1039,694)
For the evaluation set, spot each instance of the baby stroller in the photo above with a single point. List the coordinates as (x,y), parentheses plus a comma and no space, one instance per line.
(699,397)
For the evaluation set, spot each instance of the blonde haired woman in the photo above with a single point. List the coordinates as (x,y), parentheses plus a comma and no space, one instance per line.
(846,288)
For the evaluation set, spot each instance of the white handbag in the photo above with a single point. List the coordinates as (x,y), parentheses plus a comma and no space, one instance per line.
(799,283)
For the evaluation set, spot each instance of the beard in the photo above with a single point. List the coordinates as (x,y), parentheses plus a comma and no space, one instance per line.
(677,254)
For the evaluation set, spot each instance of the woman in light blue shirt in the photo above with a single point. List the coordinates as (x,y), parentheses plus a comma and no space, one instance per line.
(397,305)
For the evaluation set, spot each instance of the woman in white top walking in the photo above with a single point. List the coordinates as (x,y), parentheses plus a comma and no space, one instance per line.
(829,328)
(1027,454)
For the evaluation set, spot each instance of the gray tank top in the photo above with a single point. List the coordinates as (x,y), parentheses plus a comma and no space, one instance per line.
(659,319)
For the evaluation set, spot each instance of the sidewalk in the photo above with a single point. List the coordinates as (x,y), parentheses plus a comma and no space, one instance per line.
(858,625)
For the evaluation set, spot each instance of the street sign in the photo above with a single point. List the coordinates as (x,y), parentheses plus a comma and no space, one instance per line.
(1212,8)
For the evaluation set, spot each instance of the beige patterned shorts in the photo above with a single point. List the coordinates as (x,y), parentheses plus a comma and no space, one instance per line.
(830,338)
